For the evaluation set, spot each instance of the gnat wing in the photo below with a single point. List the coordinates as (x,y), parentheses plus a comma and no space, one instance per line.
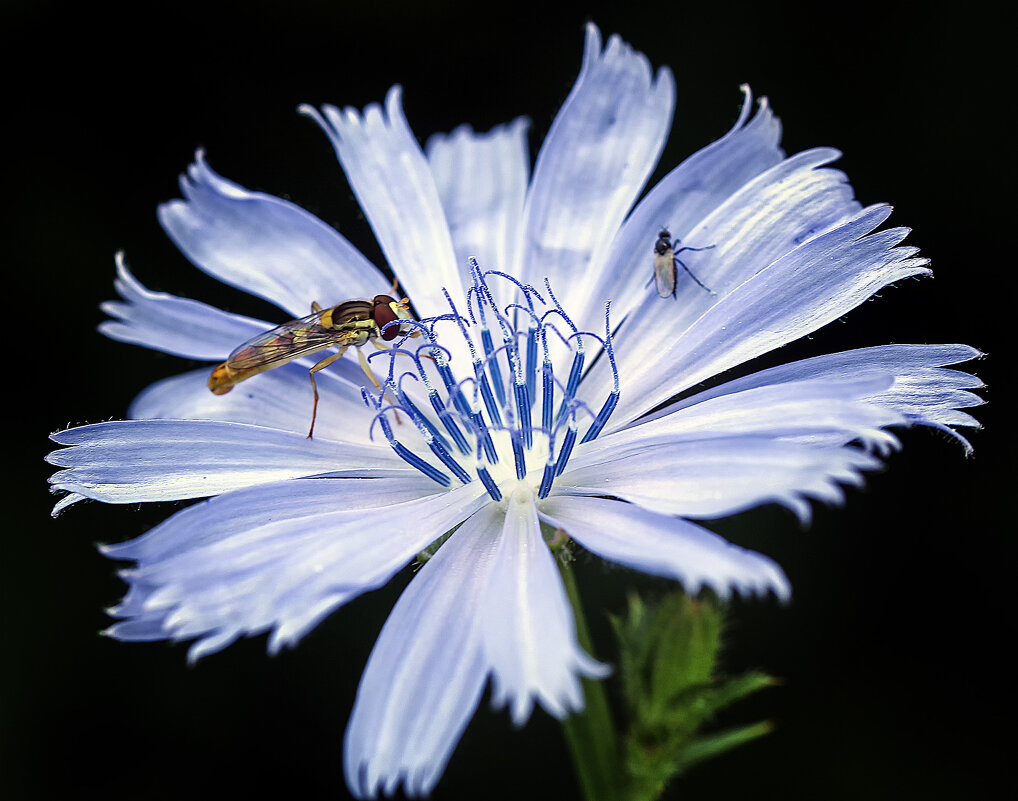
(664,274)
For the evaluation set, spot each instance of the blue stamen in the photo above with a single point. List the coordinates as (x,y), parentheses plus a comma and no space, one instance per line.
(416,461)
(447,459)
(486,396)
(532,362)
(428,429)
(532,331)
(526,289)
(602,417)
(546,480)
(508,333)
(482,297)
(403,452)
(453,389)
(609,346)
(462,323)
(492,404)
(522,398)
(567,446)
(613,399)
(558,306)
(518,456)
(434,397)
(547,395)
(488,483)
(448,421)
(485,437)
(577,368)
(573,383)
(476,420)
(548,477)
(492,363)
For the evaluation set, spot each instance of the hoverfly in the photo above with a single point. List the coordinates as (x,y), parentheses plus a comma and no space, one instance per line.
(666,260)
(353,322)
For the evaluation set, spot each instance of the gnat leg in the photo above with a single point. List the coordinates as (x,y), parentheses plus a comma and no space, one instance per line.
(314,388)
(689,272)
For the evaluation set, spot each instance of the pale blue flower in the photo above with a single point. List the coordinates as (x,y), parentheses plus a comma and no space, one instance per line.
(295,527)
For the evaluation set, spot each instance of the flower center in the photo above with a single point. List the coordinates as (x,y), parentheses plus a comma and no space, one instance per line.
(511,418)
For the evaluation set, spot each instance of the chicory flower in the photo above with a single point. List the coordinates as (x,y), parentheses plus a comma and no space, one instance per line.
(539,388)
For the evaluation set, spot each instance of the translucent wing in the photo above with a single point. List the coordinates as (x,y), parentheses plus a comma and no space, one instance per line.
(318,331)
(664,274)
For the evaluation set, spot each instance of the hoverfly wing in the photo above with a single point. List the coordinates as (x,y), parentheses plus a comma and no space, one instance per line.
(290,341)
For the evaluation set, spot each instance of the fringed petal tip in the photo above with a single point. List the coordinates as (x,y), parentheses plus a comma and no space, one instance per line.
(967,448)
(65,501)
(880,442)
(466,133)
(566,700)
(765,579)
(337,123)
(364,783)
(828,488)
(774,583)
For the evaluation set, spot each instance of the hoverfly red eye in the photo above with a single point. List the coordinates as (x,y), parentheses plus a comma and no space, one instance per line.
(384,314)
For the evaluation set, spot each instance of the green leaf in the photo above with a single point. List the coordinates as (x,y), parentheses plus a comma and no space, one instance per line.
(668,662)
(712,745)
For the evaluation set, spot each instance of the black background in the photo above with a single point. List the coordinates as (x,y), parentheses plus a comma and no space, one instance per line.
(892,652)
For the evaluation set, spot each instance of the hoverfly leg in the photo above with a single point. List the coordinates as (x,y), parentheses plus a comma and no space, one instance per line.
(367,371)
(315,307)
(314,388)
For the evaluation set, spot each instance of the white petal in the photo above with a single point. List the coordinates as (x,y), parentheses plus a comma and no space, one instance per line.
(681,201)
(601,148)
(482,182)
(812,285)
(821,411)
(426,672)
(280,556)
(394,186)
(771,215)
(170,324)
(235,513)
(69,499)
(134,461)
(527,622)
(279,399)
(716,477)
(664,546)
(265,245)
(922,391)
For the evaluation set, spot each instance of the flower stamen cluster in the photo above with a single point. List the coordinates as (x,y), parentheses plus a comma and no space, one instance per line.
(496,404)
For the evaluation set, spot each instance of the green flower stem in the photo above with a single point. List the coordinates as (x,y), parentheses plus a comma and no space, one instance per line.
(590,734)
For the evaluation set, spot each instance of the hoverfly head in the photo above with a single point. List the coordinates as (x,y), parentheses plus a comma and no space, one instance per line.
(388,310)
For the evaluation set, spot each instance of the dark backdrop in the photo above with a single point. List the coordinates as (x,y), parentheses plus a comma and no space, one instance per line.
(892,651)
